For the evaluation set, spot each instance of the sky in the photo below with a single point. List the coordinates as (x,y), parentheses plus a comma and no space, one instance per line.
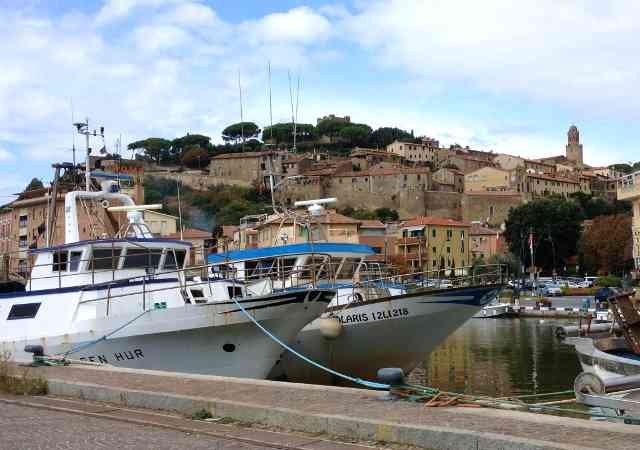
(495,75)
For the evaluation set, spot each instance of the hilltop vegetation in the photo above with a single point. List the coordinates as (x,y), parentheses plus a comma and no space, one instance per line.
(220,204)
(195,150)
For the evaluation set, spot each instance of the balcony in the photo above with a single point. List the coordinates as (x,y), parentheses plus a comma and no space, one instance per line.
(629,187)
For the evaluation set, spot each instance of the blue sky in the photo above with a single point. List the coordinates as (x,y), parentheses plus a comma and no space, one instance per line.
(500,75)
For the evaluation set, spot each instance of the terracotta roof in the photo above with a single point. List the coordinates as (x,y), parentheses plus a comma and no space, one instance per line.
(552,178)
(192,233)
(229,230)
(425,220)
(372,224)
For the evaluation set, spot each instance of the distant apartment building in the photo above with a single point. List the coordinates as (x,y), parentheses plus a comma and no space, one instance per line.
(511,162)
(328,227)
(432,243)
(489,179)
(420,152)
(485,242)
(374,234)
(629,190)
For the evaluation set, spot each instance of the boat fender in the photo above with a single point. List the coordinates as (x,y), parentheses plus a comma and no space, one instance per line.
(393,376)
(330,327)
(105,203)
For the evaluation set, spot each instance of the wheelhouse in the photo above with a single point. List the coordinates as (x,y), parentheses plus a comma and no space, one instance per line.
(96,261)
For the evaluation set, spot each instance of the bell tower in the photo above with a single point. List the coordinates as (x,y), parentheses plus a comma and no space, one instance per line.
(574,147)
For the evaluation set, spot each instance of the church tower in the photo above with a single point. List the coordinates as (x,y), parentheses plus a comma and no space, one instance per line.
(574,147)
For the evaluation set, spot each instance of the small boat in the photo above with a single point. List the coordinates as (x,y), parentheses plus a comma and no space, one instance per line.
(496,310)
(608,357)
(131,301)
(375,320)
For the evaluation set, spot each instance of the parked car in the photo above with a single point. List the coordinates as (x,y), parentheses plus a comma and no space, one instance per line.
(590,281)
(551,290)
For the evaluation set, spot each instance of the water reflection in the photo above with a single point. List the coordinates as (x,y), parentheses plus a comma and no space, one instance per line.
(500,357)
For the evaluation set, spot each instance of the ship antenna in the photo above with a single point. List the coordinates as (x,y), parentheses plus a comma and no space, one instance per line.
(241,112)
(270,104)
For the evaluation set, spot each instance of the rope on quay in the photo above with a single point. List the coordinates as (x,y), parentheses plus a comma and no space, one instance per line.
(360,381)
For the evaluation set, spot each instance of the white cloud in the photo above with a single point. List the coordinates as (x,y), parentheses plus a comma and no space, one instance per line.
(154,38)
(299,25)
(581,54)
(114,10)
(5,155)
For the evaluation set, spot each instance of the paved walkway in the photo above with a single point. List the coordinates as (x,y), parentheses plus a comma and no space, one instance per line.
(361,405)
(52,423)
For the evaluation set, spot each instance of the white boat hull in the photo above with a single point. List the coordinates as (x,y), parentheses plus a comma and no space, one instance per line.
(605,365)
(210,338)
(392,332)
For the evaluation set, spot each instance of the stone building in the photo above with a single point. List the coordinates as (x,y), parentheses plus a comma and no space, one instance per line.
(511,162)
(574,155)
(249,169)
(490,208)
(629,190)
(374,234)
(433,243)
(447,179)
(419,152)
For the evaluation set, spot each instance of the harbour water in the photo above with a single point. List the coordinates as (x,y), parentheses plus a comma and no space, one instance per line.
(501,357)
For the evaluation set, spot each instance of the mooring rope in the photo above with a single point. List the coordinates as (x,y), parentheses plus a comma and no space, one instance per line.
(360,381)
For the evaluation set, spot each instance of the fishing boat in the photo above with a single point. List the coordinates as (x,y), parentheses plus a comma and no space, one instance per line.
(608,357)
(496,310)
(375,320)
(131,301)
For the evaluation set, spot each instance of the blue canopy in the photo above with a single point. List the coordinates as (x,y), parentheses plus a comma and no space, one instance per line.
(111,176)
(291,249)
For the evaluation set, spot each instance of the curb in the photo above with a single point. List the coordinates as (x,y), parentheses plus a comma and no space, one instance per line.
(432,437)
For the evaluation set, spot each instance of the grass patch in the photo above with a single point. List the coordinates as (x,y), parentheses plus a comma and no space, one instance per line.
(21,383)
(201,414)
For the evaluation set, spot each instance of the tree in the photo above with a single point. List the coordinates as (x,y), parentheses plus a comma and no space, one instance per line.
(555,223)
(282,133)
(156,149)
(331,127)
(239,132)
(179,145)
(355,134)
(386,135)
(195,158)
(605,242)
(386,214)
(624,168)
(34,184)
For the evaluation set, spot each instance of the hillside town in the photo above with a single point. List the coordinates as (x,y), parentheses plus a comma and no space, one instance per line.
(441,208)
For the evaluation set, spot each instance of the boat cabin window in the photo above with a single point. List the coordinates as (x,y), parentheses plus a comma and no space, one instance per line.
(60,261)
(347,268)
(74,261)
(23,311)
(141,258)
(174,259)
(105,258)
(234,291)
(64,261)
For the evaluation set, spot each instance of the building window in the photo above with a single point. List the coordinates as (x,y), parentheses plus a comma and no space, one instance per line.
(433,232)
(449,234)
(433,249)
(22,242)
(448,249)
(22,222)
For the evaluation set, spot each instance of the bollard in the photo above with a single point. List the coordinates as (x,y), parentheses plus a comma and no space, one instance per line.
(394,377)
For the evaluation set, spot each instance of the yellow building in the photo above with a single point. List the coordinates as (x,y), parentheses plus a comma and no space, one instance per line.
(489,179)
(328,227)
(629,189)
(160,224)
(433,243)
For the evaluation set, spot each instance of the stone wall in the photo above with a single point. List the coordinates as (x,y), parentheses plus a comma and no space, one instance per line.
(490,207)
(443,204)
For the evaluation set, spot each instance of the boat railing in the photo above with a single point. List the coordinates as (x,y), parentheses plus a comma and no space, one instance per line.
(64,268)
(431,280)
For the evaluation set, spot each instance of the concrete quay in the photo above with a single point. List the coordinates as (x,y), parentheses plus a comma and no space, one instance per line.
(354,414)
